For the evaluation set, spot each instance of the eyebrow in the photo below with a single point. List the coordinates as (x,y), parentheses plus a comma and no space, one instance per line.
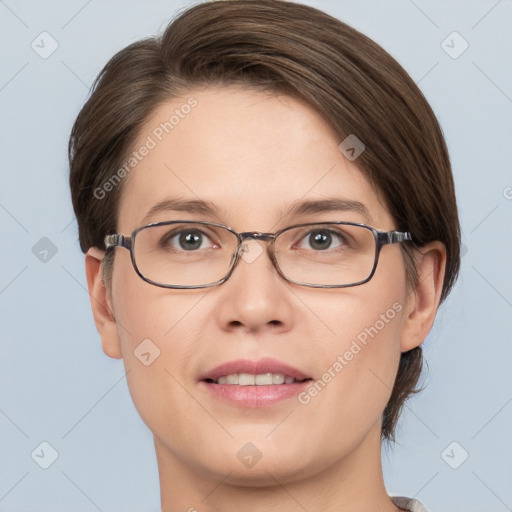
(183,205)
(296,209)
(328,205)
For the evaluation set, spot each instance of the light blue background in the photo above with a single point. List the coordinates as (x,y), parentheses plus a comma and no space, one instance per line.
(57,385)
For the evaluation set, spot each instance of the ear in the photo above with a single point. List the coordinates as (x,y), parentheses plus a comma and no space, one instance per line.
(101,304)
(423,299)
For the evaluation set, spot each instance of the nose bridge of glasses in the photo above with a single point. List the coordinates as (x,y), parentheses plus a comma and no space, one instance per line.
(250,252)
(256,235)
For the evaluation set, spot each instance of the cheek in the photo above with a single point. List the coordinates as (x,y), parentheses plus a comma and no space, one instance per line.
(157,330)
(146,311)
(360,356)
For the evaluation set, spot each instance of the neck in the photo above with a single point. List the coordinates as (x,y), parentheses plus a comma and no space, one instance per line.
(354,482)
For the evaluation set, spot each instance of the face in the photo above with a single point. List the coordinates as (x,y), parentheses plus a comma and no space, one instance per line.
(253,156)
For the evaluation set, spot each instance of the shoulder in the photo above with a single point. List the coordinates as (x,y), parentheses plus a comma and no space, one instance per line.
(409,504)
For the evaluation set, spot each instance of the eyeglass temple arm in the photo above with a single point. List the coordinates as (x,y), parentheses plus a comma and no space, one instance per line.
(118,241)
(393,237)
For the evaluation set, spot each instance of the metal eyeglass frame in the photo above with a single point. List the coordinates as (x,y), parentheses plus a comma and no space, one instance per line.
(381,238)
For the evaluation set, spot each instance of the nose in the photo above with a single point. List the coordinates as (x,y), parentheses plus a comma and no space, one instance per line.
(255,298)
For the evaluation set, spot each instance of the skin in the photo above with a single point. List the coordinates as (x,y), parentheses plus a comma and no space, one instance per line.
(321,456)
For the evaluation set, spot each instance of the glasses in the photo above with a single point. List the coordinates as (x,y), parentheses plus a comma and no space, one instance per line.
(197,254)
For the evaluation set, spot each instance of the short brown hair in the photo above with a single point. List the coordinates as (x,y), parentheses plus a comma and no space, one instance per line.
(282,47)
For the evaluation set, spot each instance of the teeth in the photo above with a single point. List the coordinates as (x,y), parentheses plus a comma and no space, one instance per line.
(278,378)
(265,379)
(245,379)
(248,379)
(232,379)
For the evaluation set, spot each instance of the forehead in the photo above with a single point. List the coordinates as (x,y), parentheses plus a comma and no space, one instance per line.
(248,153)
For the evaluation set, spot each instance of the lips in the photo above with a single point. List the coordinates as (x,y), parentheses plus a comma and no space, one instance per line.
(246,366)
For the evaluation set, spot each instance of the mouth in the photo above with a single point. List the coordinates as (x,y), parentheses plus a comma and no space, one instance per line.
(254,384)
(249,379)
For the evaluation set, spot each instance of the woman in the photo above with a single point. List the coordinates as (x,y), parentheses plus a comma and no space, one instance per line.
(267,209)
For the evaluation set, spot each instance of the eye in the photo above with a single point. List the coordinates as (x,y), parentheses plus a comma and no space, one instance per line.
(322,239)
(188,240)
